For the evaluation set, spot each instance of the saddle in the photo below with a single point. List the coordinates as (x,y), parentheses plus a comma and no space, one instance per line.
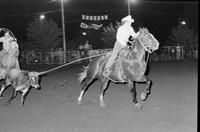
(123,53)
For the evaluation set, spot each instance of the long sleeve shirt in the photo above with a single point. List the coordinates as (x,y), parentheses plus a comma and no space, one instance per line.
(124,32)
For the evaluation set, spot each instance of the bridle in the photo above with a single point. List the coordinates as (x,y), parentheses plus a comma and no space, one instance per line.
(145,47)
(149,51)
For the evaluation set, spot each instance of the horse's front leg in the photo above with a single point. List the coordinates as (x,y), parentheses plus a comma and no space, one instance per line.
(84,87)
(147,91)
(132,88)
(104,85)
(4,86)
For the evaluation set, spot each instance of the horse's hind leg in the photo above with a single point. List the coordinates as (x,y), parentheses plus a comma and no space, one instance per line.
(104,84)
(147,91)
(83,89)
(132,88)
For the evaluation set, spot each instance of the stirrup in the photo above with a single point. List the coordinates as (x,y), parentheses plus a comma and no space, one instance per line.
(107,72)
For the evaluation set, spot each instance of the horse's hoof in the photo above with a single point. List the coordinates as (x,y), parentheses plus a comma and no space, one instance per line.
(143,96)
(138,106)
(102,104)
(0,97)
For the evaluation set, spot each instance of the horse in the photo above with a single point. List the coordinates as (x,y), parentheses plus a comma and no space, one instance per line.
(129,68)
(9,62)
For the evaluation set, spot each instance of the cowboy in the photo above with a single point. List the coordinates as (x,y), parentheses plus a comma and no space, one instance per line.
(10,49)
(124,32)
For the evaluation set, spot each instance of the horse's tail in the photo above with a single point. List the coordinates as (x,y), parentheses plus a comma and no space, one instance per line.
(83,75)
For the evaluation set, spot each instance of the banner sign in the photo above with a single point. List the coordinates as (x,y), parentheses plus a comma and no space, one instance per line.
(95,18)
(89,26)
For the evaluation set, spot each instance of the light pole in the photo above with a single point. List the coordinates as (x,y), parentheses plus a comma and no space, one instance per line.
(129,5)
(42,17)
(129,10)
(63,30)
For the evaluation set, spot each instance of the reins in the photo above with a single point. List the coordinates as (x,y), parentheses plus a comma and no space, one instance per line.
(148,52)
(147,57)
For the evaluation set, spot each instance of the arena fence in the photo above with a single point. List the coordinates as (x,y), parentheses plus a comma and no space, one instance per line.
(31,57)
(166,53)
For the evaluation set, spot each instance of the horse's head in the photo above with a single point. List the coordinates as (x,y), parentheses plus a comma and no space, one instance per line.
(147,40)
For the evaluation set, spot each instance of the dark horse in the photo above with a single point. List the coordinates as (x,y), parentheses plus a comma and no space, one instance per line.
(129,68)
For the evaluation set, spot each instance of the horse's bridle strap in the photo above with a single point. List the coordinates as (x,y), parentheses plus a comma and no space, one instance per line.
(144,46)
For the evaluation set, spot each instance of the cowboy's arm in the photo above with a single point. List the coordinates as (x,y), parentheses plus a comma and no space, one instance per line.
(137,34)
(133,33)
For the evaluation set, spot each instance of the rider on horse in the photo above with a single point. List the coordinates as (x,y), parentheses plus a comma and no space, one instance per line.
(124,32)
(10,51)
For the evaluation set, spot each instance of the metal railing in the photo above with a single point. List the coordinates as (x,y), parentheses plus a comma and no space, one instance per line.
(50,58)
(31,57)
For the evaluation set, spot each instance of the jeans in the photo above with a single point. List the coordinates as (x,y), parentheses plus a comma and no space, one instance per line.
(117,48)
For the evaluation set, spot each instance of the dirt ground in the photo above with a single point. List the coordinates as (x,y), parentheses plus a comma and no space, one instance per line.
(171,107)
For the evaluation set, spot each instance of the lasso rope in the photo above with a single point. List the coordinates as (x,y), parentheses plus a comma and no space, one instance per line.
(45,72)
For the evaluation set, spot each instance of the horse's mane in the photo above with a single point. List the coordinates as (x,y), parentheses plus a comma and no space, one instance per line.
(144,30)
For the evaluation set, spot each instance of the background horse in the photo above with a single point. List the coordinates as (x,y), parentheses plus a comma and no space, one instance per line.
(128,68)
(9,59)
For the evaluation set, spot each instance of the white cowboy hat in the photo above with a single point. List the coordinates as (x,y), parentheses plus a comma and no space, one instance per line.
(127,19)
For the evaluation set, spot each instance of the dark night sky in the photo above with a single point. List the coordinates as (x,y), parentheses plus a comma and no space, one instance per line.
(158,16)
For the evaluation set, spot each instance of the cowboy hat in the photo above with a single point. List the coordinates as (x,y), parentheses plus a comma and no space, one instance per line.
(127,19)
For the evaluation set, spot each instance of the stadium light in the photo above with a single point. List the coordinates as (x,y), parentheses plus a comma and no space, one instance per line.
(183,23)
(42,17)
(84,33)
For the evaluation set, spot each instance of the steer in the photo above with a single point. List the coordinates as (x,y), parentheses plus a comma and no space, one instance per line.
(21,81)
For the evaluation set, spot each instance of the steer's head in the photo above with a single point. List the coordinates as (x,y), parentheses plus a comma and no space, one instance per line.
(34,78)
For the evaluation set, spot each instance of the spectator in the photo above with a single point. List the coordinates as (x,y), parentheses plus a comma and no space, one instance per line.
(60,56)
(86,48)
(52,56)
(81,52)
